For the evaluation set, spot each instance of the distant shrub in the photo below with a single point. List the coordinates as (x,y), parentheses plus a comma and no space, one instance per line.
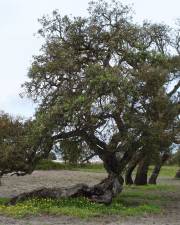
(47,164)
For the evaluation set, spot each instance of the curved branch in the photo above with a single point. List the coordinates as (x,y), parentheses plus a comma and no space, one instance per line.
(176,87)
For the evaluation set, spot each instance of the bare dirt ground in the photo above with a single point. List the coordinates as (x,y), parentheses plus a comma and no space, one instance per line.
(14,185)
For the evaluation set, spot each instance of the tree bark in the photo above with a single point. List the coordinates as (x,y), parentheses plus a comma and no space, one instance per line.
(1,175)
(128,175)
(132,165)
(177,174)
(142,171)
(157,168)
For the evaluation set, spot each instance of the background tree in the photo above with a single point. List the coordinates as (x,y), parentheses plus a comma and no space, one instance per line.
(159,163)
(21,145)
(13,157)
(177,161)
(131,167)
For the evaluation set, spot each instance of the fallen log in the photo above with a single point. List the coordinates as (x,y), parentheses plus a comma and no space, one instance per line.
(100,193)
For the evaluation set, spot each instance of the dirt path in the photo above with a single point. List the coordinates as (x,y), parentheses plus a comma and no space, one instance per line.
(15,185)
(171,218)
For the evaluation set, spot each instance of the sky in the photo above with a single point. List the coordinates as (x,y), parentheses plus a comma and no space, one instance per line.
(18,42)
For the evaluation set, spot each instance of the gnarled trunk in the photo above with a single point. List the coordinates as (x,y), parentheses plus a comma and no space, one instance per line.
(100,193)
(157,168)
(142,171)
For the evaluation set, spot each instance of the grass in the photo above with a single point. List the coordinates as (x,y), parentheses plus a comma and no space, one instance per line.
(75,207)
(166,171)
(158,194)
(133,201)
(51,165)
(3,200)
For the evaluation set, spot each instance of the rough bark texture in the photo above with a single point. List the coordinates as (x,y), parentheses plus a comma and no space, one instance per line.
(155,173)
(157,168)
(128,175)
(141,175)
(100,193)
(132,165)
(1,175)
(177,174)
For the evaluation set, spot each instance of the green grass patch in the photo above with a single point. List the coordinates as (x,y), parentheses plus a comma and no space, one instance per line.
(79,207)
(148,194)
(168,171)
(3,200)
(151,187)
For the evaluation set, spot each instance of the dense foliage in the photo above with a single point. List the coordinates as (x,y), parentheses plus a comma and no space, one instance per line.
(13,152)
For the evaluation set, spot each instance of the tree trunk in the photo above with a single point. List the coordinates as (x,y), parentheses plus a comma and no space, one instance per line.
(177,174)
(132,165)
(128,175)
(157,168)
(141,175)
(155,173)
(1,175)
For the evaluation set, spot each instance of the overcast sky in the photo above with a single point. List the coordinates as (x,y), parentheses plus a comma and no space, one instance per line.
(18,24)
